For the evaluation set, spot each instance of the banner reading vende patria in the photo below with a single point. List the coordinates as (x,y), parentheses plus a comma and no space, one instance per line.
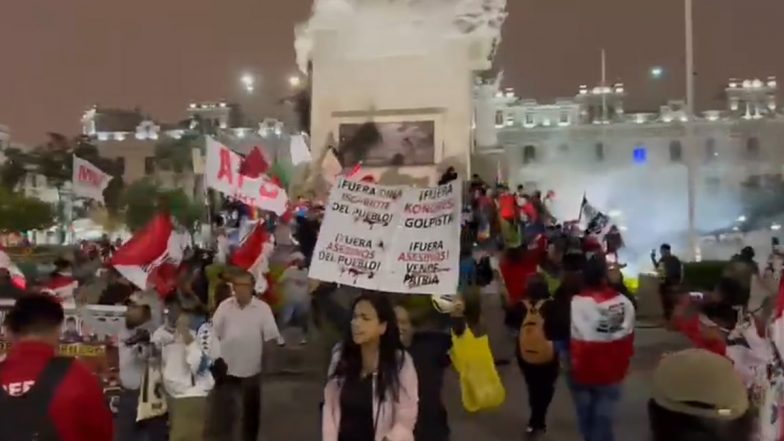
(390,238)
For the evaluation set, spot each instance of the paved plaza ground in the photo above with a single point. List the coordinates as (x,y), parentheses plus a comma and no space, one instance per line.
(291,401)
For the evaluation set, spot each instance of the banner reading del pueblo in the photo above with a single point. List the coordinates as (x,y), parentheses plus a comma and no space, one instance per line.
(390,238)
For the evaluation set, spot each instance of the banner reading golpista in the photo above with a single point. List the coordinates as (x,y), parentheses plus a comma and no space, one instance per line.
(390,238)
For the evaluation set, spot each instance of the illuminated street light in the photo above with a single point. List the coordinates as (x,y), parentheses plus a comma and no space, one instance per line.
(295,81)
(657,72)
(248,81)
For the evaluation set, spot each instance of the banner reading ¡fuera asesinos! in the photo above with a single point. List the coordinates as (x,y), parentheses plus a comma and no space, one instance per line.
(390,238)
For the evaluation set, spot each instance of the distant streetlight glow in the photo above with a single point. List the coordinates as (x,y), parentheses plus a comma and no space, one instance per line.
(657,72)
(295,81)
(248,81)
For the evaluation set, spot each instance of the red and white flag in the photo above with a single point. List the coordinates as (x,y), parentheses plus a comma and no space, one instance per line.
(253,255)
(89,181)
(63,287)
(151,257)
(17,277)
(227,172)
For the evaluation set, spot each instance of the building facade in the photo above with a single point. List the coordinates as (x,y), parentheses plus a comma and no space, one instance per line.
(641,166)
(132,138)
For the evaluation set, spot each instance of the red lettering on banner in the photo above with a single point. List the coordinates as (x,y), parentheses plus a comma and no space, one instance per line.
(225,166)
(269,191)
(90,176)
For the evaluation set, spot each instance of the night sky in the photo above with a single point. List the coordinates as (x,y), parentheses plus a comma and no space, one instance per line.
(59,57)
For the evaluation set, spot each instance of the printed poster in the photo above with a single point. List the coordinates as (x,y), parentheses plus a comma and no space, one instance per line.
(390,238)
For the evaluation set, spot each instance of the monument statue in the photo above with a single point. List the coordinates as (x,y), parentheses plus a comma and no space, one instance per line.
(374,28)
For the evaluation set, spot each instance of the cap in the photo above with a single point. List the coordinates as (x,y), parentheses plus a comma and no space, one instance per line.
(700,383)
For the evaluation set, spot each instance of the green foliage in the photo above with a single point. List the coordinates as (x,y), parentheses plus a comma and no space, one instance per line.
(142,200)
(175,154)
(13,169)
(19,213)
(702,275)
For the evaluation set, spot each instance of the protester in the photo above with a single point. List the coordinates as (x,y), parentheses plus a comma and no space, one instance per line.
(372,389)
(242,324)
(117,291)
(697,396)
(670,270)
(295,287)
(188,350)
(602,345)
(8,289)
(43,396)
(142,317)
(536,355)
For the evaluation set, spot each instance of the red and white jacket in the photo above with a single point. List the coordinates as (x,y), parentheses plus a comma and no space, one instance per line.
(602,337)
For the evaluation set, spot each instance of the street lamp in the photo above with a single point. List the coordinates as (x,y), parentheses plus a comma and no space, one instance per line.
(657,72)
(249,82)
(295,81)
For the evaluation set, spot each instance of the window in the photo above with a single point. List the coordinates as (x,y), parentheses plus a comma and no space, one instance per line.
(710,150)
(499,118)
(529,119)
(564,119)
(529,154)
(676,151)
(149,165)
(121,166)
(752,148)
(599,150)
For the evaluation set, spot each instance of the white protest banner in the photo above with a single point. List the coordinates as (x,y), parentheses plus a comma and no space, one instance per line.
(89,181)
(424,256)
(221,172)
(390,238)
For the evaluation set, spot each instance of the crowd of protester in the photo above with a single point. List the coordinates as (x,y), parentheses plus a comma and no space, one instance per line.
(564,300)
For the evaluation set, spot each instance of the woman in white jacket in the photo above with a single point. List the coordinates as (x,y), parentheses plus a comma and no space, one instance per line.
(188,349)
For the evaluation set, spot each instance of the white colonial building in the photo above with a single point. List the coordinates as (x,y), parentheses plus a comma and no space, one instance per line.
(130,137)
(639,166)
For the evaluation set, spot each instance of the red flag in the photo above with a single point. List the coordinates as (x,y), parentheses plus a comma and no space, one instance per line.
(151,256)
(253,254)
(254,165)
(62,287)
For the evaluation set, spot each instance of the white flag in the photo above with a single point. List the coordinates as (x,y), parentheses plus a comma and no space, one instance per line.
(222,173)
(89,181)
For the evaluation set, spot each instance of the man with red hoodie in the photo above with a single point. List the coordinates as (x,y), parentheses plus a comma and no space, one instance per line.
(43,396)
(601,348)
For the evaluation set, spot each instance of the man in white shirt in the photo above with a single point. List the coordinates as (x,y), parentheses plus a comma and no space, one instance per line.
(187,352)
(242,324)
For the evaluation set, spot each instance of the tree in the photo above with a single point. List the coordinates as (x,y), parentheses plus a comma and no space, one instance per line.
(143,199)
(19,213)
(175,155)
(14,169)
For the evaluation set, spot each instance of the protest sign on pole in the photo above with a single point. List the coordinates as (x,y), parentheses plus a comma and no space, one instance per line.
(222,173)
(390,238)
(89,181)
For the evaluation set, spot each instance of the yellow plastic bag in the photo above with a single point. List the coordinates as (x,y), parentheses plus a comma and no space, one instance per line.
(480,385)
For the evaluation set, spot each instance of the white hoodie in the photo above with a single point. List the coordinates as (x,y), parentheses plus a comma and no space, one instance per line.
(185,368)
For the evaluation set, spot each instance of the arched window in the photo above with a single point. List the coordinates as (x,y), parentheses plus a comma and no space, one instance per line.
(599,150)
(676,151)
(529,154)
(710,150)
(752,148)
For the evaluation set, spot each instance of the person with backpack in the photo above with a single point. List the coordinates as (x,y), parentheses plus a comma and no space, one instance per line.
(536,355)
(45,397)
